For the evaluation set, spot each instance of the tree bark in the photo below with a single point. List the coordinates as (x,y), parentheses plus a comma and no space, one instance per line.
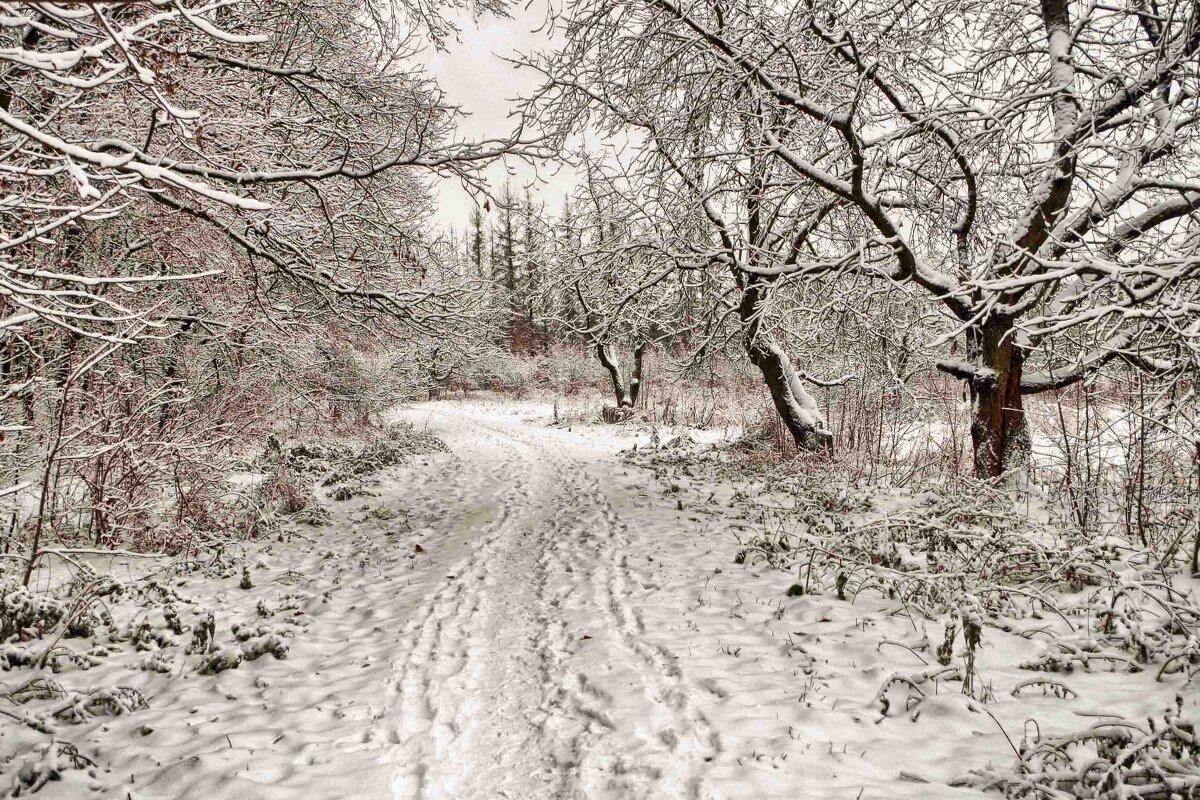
(635,380)
(795,406)
(999,433)
(1196,519)
(626,394)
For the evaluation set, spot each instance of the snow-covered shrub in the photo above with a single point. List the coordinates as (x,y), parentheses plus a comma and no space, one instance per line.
(204,634)
(228,657)
(252,642)
(395,445)
(152,593)
(83,624)
(284,494)
(502,371)
(244,633)
(1084,653)
(25,613)
(48,764)
(172,619)
(929,551)
(903,694)
(295,465)
(308,459)
(386,514)
(350,489)
(157,661)
(12,656)
(1108,761)
(144,637)
(271,643)
(113,701)
(314,515)
(974,554)
(38,688)
(561,369)
(568,370)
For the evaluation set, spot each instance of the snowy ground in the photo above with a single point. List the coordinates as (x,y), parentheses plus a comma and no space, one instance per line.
(542,620)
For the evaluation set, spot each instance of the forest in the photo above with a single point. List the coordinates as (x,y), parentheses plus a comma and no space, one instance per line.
(806,406)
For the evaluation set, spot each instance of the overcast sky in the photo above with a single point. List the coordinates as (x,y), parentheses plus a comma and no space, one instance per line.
(476,78)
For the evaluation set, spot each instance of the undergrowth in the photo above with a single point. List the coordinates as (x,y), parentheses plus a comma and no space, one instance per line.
(975,557)
(87,617)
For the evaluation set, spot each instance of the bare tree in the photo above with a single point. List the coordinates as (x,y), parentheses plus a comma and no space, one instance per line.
(710,202)
(1020,163)
(213,212)
(600,273)
(234,118)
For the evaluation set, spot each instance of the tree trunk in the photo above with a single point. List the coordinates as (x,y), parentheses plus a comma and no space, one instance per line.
(999,434)
(625,394)
(795,406)
(1196,519)
(635,380)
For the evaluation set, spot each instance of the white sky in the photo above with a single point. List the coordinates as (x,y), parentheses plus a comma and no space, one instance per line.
(475,78)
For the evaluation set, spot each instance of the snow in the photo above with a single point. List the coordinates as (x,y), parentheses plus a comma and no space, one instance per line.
(541,619)
(801,402)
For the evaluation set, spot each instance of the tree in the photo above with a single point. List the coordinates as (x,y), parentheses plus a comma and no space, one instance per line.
(533,240)
(476,241)
(1018,163)
(610,282)
(505,268)
(708,200)
(164,121)
(201,200)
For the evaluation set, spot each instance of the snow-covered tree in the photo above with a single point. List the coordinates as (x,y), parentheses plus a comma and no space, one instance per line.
(211,211)
(1025,165)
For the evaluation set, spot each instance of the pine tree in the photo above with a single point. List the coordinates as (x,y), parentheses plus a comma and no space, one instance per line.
(533,256)
(476,243)
(506,247)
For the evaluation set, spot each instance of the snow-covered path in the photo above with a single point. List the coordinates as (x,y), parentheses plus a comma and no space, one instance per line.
(578,630)
(528,672)
(528,617)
